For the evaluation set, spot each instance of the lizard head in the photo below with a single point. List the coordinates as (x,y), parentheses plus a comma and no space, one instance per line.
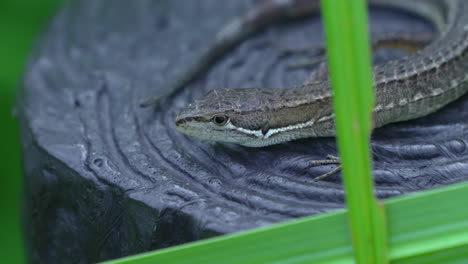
(257,117)
(225,116)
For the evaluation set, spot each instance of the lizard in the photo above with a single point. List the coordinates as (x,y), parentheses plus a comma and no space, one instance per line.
(406,88)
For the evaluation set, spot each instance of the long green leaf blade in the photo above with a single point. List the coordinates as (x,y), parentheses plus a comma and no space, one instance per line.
(350,69)
(429,227)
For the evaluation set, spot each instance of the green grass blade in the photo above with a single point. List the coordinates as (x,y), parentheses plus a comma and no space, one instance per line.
(350,69)
(427,227)
(430,227)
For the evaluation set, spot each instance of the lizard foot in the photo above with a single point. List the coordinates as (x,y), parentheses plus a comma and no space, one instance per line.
(330,160)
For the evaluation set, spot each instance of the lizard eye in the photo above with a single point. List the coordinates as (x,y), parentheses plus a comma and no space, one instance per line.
(220,119)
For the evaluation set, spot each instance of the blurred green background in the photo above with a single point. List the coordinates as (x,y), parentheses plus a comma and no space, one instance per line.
(21,21)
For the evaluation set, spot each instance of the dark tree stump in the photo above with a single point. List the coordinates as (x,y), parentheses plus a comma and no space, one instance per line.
(105,178)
